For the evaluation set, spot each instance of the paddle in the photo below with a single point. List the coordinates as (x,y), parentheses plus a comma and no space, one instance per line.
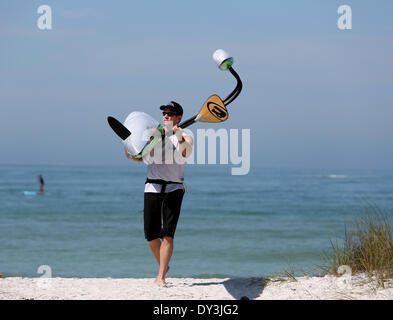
(213,110)
(119,129)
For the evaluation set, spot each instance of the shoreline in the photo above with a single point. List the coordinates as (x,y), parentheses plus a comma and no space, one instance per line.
(301,288)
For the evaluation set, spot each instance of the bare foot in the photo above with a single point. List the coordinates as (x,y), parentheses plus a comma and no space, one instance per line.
(160,283)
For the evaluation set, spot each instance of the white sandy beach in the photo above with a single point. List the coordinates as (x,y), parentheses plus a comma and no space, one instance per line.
(320,288)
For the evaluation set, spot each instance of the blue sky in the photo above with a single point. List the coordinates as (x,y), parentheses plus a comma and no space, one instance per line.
(314,96)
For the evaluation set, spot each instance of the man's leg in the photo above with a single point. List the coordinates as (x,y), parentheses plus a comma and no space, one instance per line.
(165,255)
(155,247)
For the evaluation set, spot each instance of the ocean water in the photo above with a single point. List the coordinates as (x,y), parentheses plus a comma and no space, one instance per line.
(89,221)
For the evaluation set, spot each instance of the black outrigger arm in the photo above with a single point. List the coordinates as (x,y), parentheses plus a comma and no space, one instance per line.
(233,95)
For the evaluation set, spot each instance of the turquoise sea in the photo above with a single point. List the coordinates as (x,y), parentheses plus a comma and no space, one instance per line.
(89,221)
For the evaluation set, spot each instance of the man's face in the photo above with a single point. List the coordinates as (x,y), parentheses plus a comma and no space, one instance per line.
(170,117)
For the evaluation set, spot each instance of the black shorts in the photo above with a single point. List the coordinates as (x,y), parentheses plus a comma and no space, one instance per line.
(161,213)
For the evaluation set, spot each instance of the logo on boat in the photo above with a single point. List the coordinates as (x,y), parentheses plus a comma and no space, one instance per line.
(216,110)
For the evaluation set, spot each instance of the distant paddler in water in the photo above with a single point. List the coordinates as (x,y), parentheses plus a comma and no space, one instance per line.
(33,193)
(41,180)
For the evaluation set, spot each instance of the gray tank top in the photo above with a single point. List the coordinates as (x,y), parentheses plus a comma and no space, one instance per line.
(165,162)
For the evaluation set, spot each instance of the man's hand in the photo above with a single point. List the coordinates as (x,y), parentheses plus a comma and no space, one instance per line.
(185,142)
(179,133)
(131,157)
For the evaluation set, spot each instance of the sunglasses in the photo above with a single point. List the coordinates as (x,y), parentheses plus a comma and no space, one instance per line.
(169,114)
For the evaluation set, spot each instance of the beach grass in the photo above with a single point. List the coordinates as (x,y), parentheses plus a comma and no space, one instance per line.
(367,248)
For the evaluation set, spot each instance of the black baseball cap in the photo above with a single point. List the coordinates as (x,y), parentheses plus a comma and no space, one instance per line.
(174,107)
